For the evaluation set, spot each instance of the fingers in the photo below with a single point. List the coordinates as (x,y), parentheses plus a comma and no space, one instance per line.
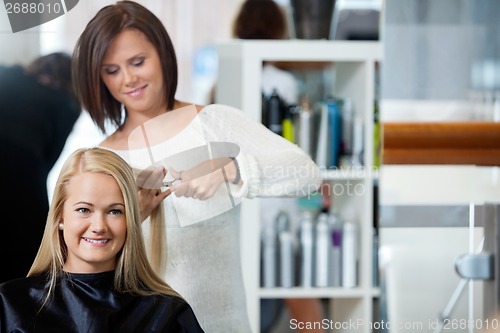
(181,189)
(149,199)
(151,178)
(162,195)
(201,188)
(175,174)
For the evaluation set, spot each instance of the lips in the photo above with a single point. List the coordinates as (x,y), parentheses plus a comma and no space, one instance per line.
(96,241)
(136,91)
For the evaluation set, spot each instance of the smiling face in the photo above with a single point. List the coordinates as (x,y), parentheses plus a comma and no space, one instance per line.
(94,221)
(132,73)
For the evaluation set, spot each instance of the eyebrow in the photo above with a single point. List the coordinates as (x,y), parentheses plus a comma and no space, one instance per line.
(83,203)
(139,55)
(91,204)
(117,204)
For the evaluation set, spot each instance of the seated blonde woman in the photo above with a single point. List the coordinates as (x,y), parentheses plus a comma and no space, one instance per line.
(91,273)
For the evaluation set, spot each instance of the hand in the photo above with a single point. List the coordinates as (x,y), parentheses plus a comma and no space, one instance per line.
(151,177)
(202,181)
(149,199)
(149,182)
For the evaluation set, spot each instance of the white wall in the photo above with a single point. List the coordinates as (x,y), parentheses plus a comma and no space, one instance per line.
(18,48)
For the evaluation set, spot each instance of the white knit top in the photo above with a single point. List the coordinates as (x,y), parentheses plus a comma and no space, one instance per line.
(204,253)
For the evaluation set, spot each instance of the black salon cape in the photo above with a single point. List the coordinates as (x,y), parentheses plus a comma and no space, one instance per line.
(88,303)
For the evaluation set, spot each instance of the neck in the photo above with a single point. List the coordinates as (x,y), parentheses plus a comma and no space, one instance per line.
(138,118)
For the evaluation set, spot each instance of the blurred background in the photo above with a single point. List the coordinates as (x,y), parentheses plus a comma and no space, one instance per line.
(440,63)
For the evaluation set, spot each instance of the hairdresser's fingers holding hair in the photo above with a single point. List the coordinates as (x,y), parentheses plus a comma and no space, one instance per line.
(201,188)
(151,177)
(149,199)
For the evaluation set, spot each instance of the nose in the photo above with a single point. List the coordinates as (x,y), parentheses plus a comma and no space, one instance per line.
(129,77)
(98,224)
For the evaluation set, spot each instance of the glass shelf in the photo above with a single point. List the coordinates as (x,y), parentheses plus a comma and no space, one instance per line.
(332,292)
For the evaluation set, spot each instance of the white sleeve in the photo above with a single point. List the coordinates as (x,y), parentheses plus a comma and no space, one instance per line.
(269,164)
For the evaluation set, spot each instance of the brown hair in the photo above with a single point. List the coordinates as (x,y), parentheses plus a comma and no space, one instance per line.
(260,19)
(92,46)
(53,70)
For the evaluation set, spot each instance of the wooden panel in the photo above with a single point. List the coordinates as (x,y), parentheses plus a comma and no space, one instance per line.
(476,143)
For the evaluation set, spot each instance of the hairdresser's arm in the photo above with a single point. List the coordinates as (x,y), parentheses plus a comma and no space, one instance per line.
(202,181)
(269,164)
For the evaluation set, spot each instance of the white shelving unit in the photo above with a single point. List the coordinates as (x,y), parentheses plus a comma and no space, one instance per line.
(239,85)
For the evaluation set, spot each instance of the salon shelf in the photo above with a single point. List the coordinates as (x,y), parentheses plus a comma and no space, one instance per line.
(353,74)
(317,292)
(350,174)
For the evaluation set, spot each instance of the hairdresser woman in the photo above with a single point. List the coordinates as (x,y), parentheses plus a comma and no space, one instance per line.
(126,74)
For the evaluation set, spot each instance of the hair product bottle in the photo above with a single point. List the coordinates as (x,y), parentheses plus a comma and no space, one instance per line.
(274,113)
(350,255)
(288,126)
(322,250)
(305,123)
(307,248)
(287,255)
(269,255)
(335,131)
(336,253)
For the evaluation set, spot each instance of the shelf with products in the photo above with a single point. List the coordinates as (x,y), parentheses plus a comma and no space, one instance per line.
(316,292)
(353,74)
(350,173)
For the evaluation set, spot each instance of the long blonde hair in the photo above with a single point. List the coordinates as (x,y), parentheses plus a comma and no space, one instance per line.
(157,234)
(133,272)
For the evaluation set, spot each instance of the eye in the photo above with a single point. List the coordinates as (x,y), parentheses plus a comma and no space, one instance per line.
(110,70)
(138,62)
(116,212)
(83,210)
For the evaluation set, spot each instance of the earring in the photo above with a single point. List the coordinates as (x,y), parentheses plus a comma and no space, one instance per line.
(61,226)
